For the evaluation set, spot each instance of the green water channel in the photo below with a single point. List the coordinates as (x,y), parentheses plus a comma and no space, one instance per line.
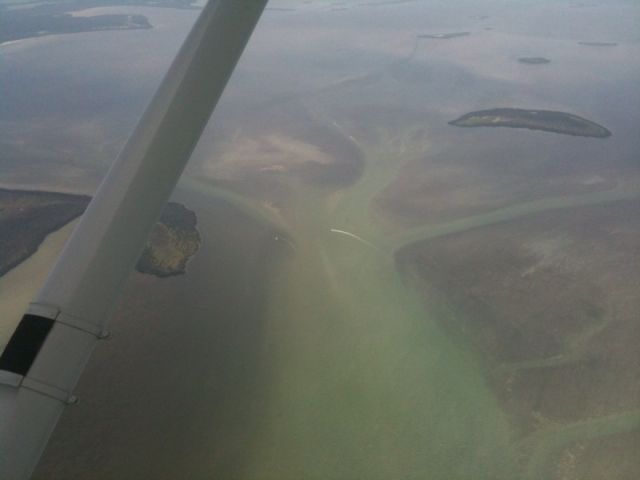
(363,382)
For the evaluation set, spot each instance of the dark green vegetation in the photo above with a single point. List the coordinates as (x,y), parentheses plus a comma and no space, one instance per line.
(544,120)
(27,217)
(17,26)
(550,303)
(173,241)
(534,60)
(444,36)
(599,44)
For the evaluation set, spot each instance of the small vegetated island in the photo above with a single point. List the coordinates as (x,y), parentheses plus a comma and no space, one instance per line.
(544,120)
(534,60)
(27,217)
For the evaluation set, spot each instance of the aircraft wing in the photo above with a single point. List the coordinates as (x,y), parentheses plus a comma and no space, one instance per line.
(47,353)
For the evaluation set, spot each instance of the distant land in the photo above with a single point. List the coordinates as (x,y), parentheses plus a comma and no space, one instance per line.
(599,44)
(280,9)
(27,217)
(20,26)
(39,7)
(544,120)
(383,3)
(444,36)
(534,60)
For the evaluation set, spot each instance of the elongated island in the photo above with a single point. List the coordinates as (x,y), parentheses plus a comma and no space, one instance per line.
(544,120)
(173,241)
(598,44)
(444,36)
(534,60)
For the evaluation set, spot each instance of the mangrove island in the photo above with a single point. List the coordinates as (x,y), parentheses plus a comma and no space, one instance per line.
(172,243)
(544,120)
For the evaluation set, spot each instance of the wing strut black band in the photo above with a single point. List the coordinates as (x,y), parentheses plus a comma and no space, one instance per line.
(25,343)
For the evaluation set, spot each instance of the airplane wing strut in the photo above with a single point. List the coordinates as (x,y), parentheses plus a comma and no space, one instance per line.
(44,359)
